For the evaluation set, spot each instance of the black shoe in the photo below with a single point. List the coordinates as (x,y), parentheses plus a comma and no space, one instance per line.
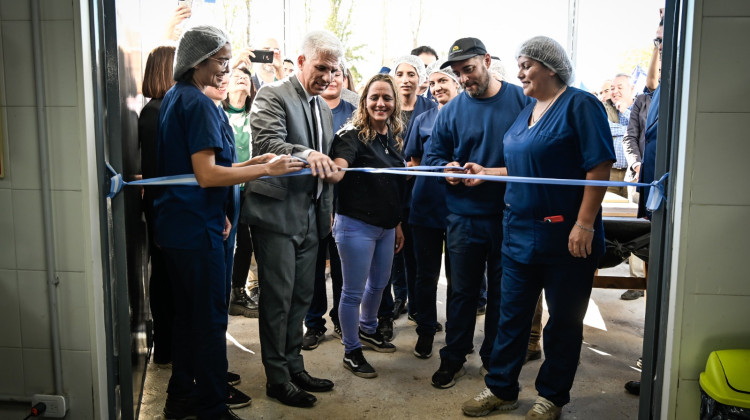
(482,310)
(289,394)
(241,304)
(399,307)
(177,408)
(447,373)
(229,415)
(438,327)
(237,399)
(412,319)
(631,294)
(376,341)
(532,355)
(385,328)
(633,387)
(312,338)
(337,332)
(423,349)
(355,361)
(233,378)
(310,384)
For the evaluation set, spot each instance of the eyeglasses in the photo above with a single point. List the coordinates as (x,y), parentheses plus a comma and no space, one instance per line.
(658,41)
(224,62)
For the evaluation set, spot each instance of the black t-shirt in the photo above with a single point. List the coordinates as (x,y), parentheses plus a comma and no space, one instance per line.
(375,199)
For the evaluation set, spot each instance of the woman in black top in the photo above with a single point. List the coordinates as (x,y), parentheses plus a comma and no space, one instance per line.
(367,227)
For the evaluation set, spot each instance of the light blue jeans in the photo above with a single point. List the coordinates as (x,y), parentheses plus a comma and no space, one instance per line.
(366,257)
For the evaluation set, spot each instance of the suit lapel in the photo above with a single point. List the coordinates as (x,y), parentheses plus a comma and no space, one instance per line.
(311,142)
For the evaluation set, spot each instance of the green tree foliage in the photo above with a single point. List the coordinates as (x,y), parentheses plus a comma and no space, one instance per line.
(338,23)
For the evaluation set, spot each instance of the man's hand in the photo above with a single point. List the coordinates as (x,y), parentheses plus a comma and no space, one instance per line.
(171,32)
(451,180)
(227,228)
(321,165)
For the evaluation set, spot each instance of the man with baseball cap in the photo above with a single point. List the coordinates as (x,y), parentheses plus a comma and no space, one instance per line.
(470,129)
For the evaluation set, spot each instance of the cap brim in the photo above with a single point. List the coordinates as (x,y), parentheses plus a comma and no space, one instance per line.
(451,60)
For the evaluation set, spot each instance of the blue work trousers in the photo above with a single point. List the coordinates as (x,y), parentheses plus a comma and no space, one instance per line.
(474,243)
(567,289)
(366,257)
(200,288)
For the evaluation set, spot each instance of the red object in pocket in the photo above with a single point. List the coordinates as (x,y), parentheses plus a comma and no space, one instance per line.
(554,219)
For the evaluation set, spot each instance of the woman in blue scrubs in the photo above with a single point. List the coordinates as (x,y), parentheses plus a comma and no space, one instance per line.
(427,218)
(192,222)
(553,234)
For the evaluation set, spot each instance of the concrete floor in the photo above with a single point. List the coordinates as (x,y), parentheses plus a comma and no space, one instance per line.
(612,343)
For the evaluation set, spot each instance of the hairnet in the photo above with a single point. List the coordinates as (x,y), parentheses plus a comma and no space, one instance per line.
(435,68)
(550,53)
(413,61)
(196,45)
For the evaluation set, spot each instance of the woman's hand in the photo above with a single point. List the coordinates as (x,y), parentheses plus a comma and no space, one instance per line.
(180,14)
(579,241)
(476,169)
(243,59)
(227,228)
(257,160)
(399,239)
(284,164)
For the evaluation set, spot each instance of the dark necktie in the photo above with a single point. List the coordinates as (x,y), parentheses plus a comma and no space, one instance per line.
(316,143)
(314,112)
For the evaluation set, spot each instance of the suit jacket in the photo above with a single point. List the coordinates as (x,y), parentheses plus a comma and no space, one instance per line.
(281,123)
(635,139)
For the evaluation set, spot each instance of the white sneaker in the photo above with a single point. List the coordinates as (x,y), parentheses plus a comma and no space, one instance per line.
(543,409)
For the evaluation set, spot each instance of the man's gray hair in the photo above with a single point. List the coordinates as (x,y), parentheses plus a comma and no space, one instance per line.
(623,75)
(318,43)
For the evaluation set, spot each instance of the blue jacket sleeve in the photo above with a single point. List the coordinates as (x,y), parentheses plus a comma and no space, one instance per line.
(440,152)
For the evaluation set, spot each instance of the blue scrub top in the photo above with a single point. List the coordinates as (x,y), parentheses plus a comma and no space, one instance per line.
(569,140)
(471,130)
(428,208)
(191,217)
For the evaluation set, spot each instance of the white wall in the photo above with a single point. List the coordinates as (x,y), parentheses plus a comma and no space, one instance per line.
(711,283)
(25,355)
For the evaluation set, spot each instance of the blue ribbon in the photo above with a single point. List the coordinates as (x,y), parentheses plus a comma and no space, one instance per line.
(655,198)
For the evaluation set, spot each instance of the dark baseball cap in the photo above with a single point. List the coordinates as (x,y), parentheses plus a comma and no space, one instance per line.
(463,49)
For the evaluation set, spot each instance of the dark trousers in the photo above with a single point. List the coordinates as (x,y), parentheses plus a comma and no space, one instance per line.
(286,271)
(403,274)
(567,288)
(199,363)
(474,242)
(314,318)
(161,303)
(243,253)
(428,250)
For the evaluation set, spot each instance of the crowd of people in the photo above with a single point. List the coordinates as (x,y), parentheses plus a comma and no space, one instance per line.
(239,125)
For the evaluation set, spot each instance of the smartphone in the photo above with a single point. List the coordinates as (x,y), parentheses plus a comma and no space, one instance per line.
(188,3)
(262,56)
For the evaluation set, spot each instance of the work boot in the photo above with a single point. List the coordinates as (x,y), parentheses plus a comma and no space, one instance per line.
(242,304)
(485,403)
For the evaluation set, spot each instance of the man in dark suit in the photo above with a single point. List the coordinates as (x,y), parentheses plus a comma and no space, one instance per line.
(289,215)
